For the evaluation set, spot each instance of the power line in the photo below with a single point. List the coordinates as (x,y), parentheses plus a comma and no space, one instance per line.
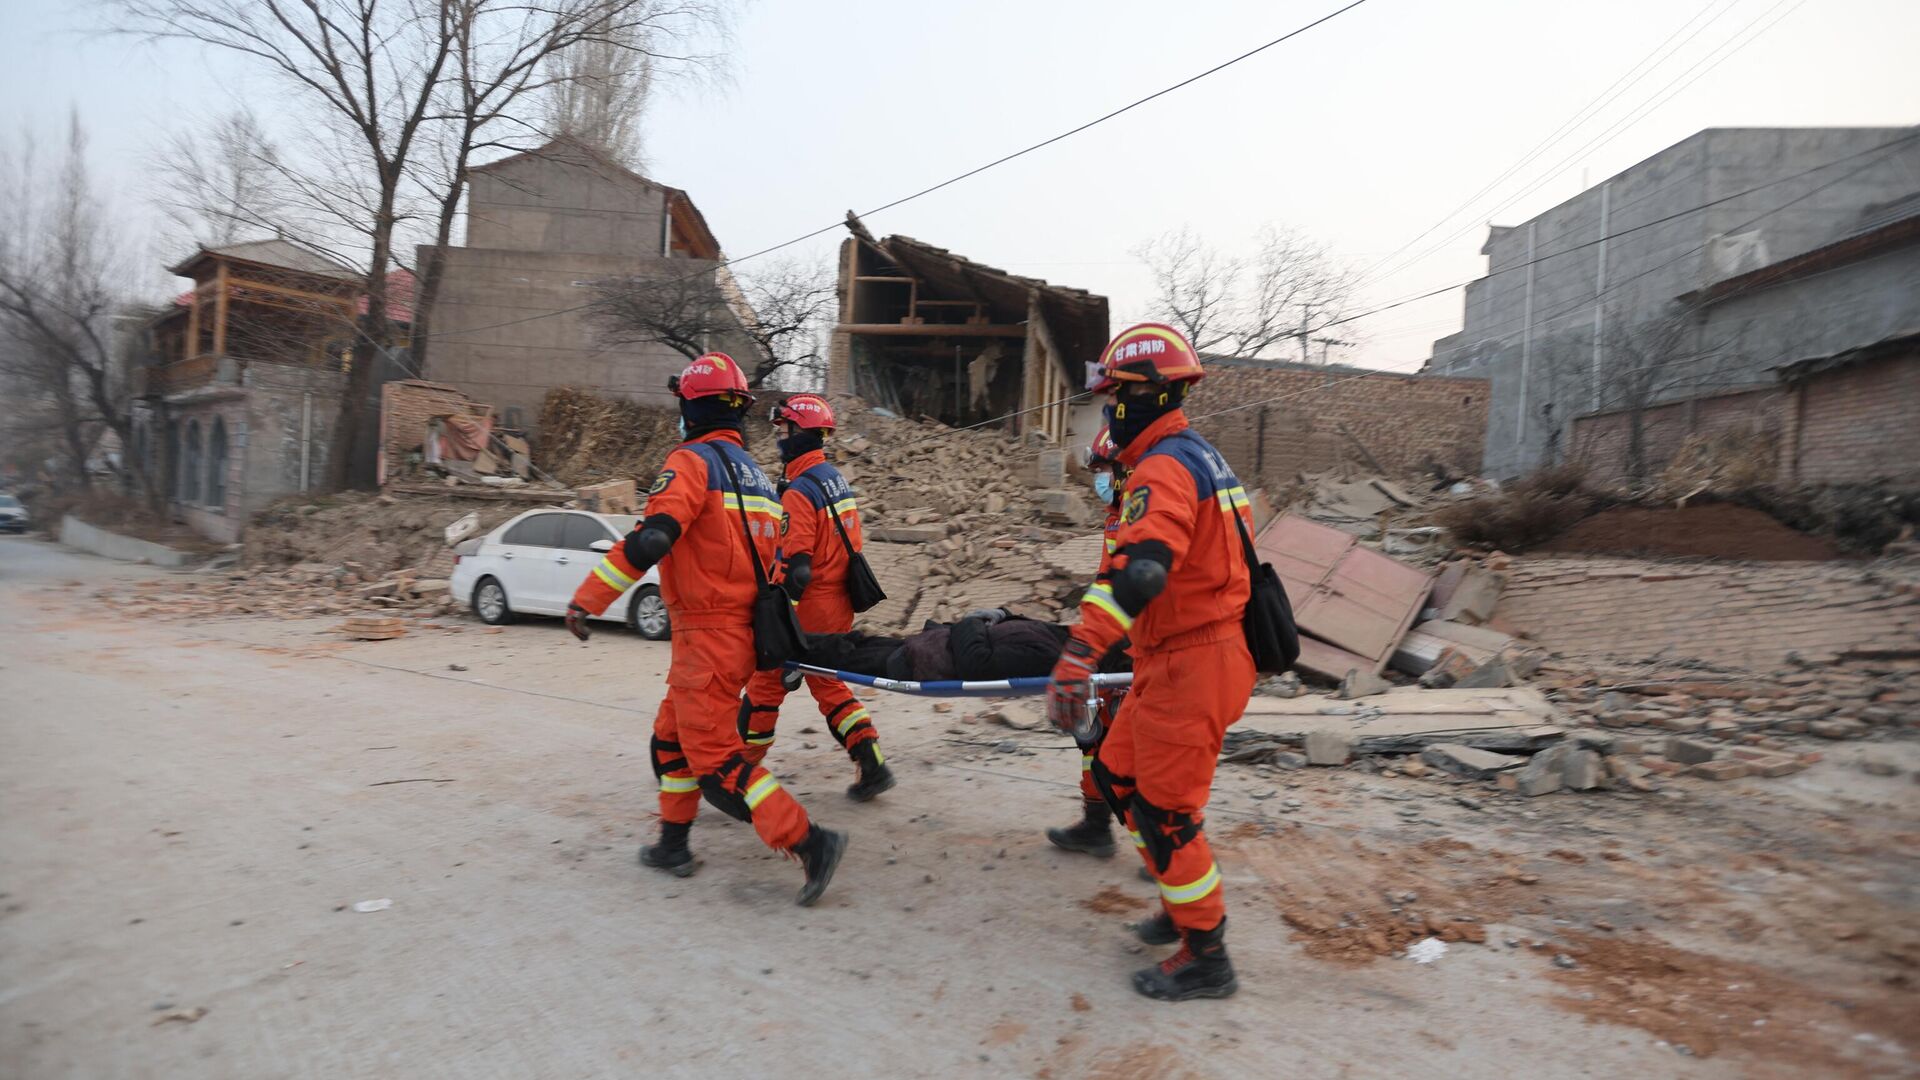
(1640,112)
(1002,160)
(1567,127)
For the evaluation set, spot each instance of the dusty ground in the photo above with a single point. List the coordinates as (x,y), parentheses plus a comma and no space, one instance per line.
(188,808)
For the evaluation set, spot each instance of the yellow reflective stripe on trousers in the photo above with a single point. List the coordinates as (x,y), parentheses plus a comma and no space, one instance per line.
(611,574)
(761,788)
(1101,596)
(678,785)
(1187,894)
(846,723)
(760,740)
(1086,762)
(1138,841)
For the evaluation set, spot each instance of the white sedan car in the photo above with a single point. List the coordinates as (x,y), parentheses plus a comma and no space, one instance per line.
(532,564)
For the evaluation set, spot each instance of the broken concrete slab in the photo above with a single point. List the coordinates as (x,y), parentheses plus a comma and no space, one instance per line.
(1473,597)
(1329,748)
(1493,673)
(1540,776)
(1584,770)
(1468,762)
(910,534)
(1359,684)
(1690,751)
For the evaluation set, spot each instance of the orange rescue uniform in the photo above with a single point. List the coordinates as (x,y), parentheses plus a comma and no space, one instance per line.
(815,491)
(1192,674)
(708,583)
(1089,790)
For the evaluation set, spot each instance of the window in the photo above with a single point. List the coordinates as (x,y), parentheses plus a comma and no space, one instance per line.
(540,530)
(190,472)
(581,532)
(217,465)
(9,501)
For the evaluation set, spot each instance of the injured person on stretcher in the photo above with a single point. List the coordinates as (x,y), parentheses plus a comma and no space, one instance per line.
(984,645)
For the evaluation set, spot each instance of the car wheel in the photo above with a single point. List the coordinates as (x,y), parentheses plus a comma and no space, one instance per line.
(647,614)
(490,604)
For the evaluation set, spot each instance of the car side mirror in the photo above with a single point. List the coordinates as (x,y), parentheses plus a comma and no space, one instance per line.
(602,546)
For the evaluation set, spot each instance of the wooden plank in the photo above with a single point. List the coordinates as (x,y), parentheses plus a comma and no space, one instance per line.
(933,329)
(481,491)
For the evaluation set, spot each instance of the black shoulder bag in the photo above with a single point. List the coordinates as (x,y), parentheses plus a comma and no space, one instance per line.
(863,589)
(776,629)
(1272,637)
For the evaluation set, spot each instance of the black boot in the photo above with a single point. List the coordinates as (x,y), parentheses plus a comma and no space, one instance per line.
(1199,969)
(1092,835)
(875,777)
(671,853)
(1157,930)
(819,853)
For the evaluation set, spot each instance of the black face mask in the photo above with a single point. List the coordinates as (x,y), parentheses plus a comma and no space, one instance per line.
(803,441)
(703,415)
(1136,412)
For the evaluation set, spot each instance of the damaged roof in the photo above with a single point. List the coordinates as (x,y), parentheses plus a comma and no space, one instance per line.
(276,252)
(1076,317)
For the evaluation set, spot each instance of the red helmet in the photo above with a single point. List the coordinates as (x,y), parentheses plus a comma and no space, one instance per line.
(1102,451)
(1150,353)
(710,375)
(804,410)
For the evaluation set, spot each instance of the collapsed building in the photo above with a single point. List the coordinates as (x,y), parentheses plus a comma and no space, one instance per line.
(236,402)
(925,332)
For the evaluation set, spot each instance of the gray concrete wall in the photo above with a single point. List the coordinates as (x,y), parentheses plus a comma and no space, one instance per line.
(1543,363)
(566,203)
(513,366)
(1743,338)
(81,536)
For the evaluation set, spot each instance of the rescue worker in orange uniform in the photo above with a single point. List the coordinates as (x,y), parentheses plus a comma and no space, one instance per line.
(1093,834)
(1178,585)
(813,570)
(694,531)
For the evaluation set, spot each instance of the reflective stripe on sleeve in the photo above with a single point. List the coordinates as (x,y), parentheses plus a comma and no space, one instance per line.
(1187,894)
(1086,762)
(611,574)
(1101,596)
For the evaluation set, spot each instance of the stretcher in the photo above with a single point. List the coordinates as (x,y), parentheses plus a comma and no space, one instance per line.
(960,687)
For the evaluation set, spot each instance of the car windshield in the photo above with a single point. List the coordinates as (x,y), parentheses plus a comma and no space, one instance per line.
(8,500)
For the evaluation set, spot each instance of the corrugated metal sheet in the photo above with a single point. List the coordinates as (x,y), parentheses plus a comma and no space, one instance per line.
(1348,596)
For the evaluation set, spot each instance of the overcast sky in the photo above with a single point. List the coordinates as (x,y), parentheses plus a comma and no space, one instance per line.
(1364,132)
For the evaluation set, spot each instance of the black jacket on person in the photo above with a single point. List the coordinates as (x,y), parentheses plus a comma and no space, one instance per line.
(971,649)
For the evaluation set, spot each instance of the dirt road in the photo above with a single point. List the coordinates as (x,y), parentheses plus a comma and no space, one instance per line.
(189,810)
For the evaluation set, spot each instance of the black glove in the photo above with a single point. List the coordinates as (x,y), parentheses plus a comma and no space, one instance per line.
(577,622)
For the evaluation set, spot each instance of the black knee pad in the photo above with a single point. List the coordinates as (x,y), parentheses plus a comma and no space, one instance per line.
(1162,831)
(1109,785)
(733,803)
(666,757)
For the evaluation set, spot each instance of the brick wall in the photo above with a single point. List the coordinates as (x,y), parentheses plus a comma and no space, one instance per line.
(1860,423)
(1600,441)
(1853,424)
(1326,416)
(405,407)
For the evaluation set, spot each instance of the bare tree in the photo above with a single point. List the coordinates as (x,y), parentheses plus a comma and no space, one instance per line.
(779,312)
(61,292)
(600,94)
(371,73)
(1287,291)
(223,182)
(1642,364)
